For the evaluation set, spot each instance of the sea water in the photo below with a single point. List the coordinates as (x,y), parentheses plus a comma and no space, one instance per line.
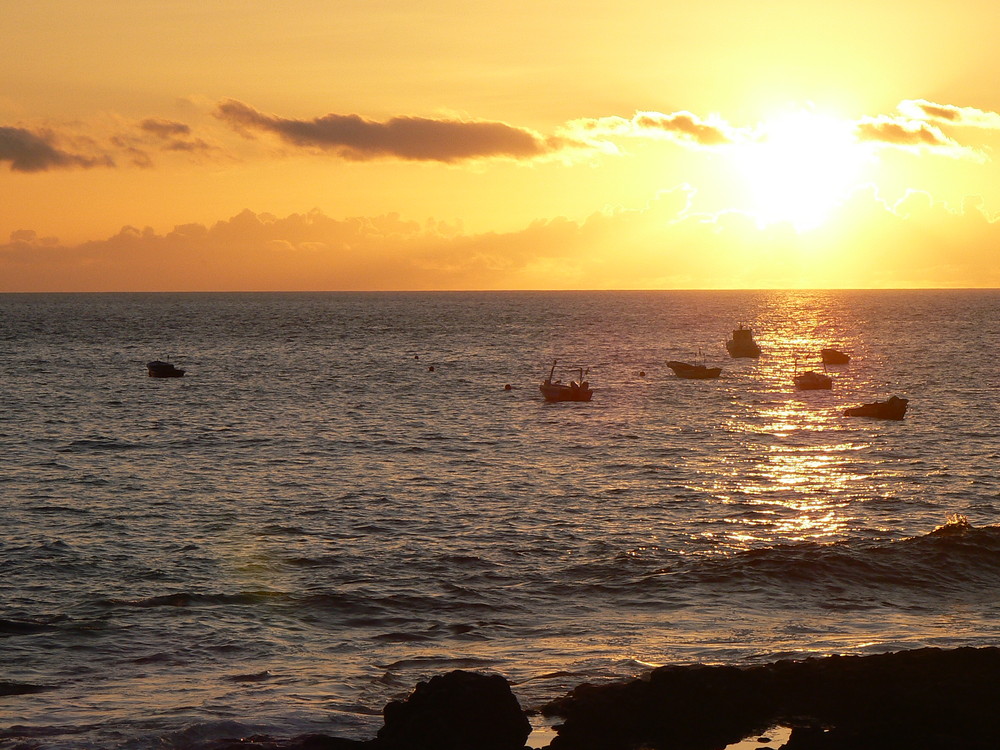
(341,498)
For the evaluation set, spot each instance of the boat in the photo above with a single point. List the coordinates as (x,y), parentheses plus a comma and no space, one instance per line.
(742,343)
(693,372)
(158,369)
(892,408)
(810,380)
(834,357)
(575,390)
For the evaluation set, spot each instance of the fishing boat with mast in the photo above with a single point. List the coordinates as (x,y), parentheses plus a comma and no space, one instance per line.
(575,390)
(810,380)
(697,371)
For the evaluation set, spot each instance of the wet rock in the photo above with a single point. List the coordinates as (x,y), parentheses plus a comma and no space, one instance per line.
(926,698)
(696,708)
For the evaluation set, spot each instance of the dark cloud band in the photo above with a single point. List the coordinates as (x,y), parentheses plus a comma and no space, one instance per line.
(412,138)
(32,152)
(164,128)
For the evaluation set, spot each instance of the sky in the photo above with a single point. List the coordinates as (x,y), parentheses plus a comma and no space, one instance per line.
(170,145)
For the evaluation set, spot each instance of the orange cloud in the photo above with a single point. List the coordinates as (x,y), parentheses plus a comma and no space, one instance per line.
(683,127)
(906,133)
(174,136)
(916,242)
(411,138)
(949,114)
(159,135)
(164,128)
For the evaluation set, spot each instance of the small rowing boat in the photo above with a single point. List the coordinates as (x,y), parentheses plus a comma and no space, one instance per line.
(693,372)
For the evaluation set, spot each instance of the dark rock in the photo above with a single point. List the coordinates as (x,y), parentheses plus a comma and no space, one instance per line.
(678,707)
(456,711)
(926,698)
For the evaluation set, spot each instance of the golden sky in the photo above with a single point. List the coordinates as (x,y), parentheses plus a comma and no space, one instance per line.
(390,144)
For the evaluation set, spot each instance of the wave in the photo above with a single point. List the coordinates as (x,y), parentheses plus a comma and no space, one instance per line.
(350,608)
(23,688)
(252,677)
(23,627)
(189,599)
(436,663)
(955,557)
(402,606)
(99,443)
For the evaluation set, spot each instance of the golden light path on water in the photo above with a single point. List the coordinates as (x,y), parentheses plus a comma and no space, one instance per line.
(798,478)
(798,490)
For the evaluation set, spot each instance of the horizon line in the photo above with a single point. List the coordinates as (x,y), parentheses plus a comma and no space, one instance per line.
(507,291)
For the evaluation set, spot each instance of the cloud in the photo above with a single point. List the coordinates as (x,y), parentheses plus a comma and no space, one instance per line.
(949,114)
(164,128)
(907,133)
(174,136)
(411,138)
(869,243)
(919,127)
(30,237)
(137,140)
(129,142)
(29,151)
(683,127)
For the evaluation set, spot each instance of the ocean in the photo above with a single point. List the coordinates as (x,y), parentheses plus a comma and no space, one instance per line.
(341,498)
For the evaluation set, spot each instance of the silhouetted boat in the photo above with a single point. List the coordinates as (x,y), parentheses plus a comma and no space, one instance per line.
(893,408)
(742,343)
(158,369)
(575,390)
(834,357)
(693,372)
(810,380)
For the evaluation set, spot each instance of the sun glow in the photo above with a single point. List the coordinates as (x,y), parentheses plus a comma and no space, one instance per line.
(799,167)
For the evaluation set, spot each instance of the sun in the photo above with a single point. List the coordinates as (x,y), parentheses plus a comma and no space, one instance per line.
(799,166)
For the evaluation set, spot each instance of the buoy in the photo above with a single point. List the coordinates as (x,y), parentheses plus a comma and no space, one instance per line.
(642,373)
(507,387)
(430,369)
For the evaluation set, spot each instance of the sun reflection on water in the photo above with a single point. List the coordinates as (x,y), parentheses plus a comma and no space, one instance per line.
(797,474)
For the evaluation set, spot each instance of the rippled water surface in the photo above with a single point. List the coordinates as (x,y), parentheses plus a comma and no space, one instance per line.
(313,518)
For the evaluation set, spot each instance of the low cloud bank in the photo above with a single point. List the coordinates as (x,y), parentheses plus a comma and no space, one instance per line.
(915,242)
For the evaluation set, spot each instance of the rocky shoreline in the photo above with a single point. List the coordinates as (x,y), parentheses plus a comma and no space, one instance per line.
(930,698)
